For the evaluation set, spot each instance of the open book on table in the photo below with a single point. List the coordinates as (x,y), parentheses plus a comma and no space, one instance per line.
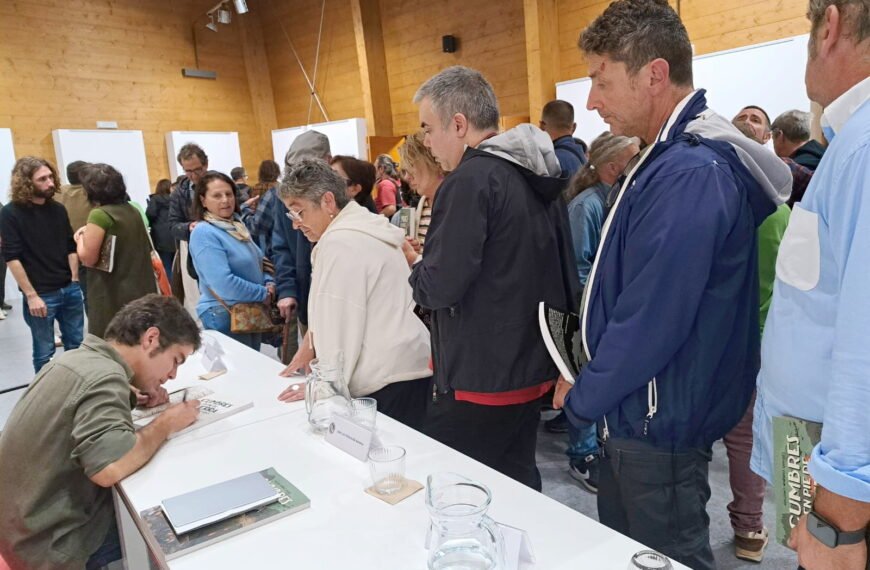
(212,407)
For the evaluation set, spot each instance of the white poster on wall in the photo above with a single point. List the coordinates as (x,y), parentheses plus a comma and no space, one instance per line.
(124,150)
(7,161)
(347,137)
(222,149)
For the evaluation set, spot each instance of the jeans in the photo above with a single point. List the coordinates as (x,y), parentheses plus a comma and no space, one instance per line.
(659,498)
(218,319)
(582,442)
(108,552)
(746,487)
(166,257)
(67,308)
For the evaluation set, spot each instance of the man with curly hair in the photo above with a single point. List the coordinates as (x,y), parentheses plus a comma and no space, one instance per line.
(39,250)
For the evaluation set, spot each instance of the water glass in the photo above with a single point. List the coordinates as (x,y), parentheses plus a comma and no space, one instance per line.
(649,560)
(364,411)
(387,466)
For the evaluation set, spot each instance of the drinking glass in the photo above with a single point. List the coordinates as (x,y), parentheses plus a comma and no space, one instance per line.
(364,411)
(387,466)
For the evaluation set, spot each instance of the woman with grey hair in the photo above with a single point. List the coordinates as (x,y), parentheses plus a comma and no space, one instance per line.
(360,302)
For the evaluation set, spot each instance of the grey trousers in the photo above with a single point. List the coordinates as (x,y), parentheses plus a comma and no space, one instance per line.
(658,498)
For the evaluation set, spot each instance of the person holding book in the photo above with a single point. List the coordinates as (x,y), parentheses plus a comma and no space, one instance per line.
(41,255)
(75,423)
(670,311)
(360,303)
(814,355)
(115,244)
(425,176)
(229,263)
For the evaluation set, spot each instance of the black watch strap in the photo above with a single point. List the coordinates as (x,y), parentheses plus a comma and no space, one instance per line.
(830,535)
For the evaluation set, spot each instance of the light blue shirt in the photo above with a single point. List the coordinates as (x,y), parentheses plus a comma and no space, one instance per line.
(815,354)
(229,267)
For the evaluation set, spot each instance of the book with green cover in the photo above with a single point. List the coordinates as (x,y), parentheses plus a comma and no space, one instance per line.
(793,487)
(166,545)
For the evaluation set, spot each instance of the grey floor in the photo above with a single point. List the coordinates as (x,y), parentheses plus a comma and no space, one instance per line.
(16,369)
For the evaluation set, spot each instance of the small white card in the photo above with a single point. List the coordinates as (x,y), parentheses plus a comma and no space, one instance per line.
(211,355)
(350,437)
(517,546)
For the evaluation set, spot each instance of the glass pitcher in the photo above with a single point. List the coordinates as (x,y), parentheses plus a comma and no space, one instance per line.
(461,536)
(326,392)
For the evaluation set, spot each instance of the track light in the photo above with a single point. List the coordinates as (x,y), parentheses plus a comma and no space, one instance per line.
(211,25)
(224,16)
(241,6)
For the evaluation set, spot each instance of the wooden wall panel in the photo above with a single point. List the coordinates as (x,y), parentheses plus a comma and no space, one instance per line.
(491,38)
(338,77)
(712,26)
(68,63)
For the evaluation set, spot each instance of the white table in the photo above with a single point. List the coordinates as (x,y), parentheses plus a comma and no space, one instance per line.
(345,527)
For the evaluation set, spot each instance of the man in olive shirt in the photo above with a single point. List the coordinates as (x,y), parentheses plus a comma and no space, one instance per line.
(71,437)
(75,200)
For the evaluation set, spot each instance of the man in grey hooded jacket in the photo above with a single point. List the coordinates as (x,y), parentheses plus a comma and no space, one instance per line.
(499,243)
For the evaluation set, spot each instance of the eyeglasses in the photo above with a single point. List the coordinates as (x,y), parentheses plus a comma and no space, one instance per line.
(198,170)
(295,215)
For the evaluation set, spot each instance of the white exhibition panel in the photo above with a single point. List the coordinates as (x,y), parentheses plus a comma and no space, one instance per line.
(222,149)
(7,161)
(347,137)
(124,150)
(770,75)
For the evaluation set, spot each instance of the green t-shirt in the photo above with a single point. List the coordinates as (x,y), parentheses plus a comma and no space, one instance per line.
(73,421)
(769,236)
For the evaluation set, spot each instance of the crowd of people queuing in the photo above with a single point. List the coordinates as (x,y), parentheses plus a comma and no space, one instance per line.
(719,268)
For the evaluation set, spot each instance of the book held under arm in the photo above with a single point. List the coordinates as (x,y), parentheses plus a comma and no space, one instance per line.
(188,522)
(106,261)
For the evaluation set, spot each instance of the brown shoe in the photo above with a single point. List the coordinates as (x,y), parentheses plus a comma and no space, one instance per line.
(750,545)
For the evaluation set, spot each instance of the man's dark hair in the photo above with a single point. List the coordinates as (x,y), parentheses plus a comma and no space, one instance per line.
(763,112)
(175,324)
(558,114)
(74,171)
(197,211)
(103,185)
(237,172)
(635,32)
(190,150)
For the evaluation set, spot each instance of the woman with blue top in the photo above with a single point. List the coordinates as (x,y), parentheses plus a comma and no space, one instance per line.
(229,263)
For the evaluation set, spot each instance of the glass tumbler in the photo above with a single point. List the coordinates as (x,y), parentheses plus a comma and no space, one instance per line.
(387,466)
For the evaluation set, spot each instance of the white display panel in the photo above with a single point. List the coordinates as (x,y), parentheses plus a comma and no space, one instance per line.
(347,137)
(770,75)
(7,161)
(222,149)
(124,150)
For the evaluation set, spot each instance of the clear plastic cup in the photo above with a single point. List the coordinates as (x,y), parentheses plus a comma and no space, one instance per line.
(364,411)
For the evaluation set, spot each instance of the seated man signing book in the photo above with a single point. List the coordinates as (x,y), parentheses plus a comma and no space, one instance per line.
(71,437)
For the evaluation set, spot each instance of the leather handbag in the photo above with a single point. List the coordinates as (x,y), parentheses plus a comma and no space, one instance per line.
(248,318)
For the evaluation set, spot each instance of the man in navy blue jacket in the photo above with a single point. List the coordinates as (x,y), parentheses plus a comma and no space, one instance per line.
(670,313)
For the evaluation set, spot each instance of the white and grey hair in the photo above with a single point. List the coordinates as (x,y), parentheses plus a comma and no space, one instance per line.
(309,179)
(459,89)
(794,125)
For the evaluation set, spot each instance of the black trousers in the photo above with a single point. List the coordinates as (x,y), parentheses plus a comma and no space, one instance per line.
(404,401)
(658,498)
(502,437)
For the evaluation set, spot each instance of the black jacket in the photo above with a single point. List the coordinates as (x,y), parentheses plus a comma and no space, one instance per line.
(809,155)
(180,203)
(499,243)
(158,216)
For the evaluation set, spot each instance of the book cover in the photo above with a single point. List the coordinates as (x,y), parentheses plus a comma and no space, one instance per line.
(212,408)
(408,221)
(176,397)
(166,545)
(106,261)
(793,487)
(561,334)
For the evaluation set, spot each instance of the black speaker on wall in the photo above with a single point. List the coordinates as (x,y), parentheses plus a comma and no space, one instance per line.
(448,44)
